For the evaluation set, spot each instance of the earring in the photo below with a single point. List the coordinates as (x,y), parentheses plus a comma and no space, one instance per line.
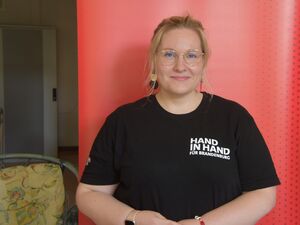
(153,81)
(201,84)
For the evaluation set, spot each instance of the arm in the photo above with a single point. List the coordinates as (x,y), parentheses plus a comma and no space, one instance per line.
(246,209)
(97,202)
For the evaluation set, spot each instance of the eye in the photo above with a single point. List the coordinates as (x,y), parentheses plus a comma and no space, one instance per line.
(192,55)
(169,54)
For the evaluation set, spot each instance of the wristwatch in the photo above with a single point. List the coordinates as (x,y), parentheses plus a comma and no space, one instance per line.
(130,219)
(129,222)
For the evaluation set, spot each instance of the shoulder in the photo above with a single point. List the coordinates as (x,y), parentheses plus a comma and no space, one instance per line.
(228,107)
(138,105)
(130,109)
(225,103)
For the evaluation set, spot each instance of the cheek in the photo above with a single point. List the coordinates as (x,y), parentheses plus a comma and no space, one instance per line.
(197,72)
(163,70)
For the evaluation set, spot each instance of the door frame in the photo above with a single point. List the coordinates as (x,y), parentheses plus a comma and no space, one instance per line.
(50,119)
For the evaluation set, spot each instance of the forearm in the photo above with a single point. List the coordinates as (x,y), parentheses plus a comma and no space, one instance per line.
(102,208)
(246,209)
(98,204)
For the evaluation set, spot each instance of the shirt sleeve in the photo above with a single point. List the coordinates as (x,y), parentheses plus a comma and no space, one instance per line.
(102,165)
(256,168)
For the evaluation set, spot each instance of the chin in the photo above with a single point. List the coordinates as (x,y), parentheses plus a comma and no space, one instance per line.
(182,92)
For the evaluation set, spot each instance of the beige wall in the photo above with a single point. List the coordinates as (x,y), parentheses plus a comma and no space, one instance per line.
(62,15)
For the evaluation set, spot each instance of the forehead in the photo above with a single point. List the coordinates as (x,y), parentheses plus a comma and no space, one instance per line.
(180,39)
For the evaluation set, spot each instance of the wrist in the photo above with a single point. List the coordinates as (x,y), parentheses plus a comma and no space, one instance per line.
(131,216)
(200,219)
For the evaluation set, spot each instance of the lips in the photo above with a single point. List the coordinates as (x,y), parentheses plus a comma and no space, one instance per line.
(180,78)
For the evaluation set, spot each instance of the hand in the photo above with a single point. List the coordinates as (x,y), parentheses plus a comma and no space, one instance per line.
(188,222)
(147,217)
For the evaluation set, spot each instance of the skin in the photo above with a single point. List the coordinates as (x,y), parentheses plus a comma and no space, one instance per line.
(92,199)
(178,95)
(180,79)
(178,82)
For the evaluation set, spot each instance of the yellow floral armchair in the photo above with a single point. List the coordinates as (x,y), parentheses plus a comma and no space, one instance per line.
(32,191)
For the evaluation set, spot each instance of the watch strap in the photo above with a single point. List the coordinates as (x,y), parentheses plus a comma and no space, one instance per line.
(130,218)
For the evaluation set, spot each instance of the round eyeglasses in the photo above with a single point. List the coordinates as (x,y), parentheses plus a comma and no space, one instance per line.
(169,57)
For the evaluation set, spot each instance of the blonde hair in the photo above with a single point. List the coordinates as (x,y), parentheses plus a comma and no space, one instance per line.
(175,22)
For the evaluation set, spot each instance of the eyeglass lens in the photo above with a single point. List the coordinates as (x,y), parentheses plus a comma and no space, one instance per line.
(169,57)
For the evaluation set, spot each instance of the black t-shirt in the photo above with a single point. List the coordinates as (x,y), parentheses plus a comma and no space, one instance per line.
(180,165)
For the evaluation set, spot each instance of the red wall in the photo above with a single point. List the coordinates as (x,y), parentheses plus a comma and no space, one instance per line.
(255,61)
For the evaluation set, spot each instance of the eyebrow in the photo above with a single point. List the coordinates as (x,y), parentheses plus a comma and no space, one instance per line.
(192,49)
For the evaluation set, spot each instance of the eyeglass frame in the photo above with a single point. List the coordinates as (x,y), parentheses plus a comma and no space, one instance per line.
(183,54)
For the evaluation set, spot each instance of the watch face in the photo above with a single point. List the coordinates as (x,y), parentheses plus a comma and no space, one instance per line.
(127,222)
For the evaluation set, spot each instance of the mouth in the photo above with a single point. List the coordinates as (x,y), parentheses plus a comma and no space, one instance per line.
(180,78)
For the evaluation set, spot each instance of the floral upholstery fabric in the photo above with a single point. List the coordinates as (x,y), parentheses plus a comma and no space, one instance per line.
(31,195)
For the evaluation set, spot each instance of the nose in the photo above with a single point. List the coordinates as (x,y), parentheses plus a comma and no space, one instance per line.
(179,64)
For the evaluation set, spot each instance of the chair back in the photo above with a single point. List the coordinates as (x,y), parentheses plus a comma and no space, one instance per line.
(32,190)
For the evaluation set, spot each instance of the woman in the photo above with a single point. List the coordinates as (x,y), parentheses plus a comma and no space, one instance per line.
(179,156)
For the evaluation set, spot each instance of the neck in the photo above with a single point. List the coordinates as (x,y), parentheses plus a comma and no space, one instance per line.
(179,104)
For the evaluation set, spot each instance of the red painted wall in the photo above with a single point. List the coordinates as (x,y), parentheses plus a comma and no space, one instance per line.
(255,60)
